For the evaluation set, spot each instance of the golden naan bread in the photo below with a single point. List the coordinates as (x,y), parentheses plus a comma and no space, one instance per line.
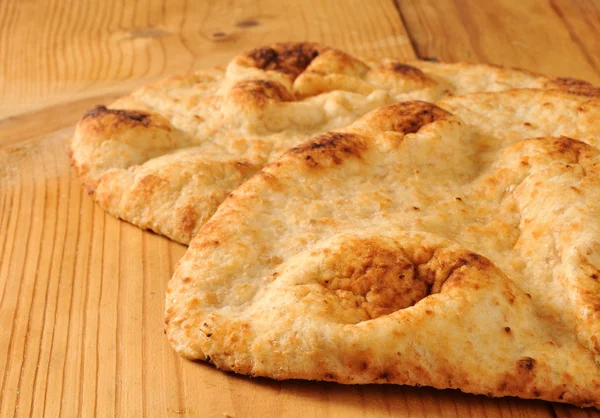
(454,245)
(165,157)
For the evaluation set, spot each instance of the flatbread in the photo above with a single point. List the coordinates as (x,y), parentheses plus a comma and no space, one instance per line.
(165,157)
(454,245)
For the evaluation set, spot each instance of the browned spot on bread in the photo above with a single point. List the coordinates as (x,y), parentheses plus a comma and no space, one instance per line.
(510,297)
(259,93)
(405,117)
(576,190)
(169,312)
(384,279)
(406,70)
(269,179)
(148,184)
(273,261)
(187,216)
(447,270)
(310,161)
(330,148)
(104,122)
(126,116)
(565,144)
(520,380)
(379,277)
(576,86)
(572,149)
(526,364)
(479,259)
(287,58)
(245,168)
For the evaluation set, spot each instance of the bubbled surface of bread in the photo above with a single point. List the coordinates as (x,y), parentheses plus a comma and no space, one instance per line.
(165,157)
(454,245)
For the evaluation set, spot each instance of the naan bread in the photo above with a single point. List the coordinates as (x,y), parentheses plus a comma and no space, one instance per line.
(454,245)
(165,157)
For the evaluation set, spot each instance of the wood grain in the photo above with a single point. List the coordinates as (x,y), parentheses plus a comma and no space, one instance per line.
(560,38)
(82,294)
(566,411)
(83,49)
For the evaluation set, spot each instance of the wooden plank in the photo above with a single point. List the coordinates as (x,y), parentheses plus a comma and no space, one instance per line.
(81,293)
(82,49)
(558,38)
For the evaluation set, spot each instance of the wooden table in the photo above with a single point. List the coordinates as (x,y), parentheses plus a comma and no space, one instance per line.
(81,293)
